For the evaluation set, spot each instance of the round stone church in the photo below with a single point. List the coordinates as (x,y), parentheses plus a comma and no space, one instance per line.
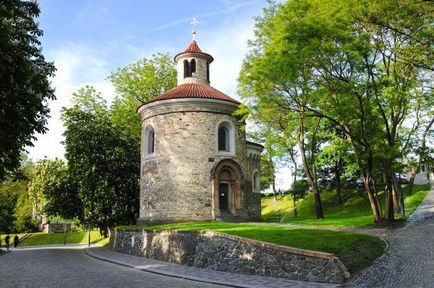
(195,161)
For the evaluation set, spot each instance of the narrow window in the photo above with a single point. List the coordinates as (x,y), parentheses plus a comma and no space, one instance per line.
(207,71)
(193,68)
(186,69)
(256,181)
(223,139)
(422,168)
(151,142)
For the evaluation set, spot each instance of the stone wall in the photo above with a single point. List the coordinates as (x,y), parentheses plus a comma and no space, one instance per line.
(218,251)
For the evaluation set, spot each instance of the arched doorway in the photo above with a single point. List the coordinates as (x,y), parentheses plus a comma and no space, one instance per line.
(226,189)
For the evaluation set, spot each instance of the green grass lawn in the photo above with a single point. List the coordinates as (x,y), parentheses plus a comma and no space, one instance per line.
(355,250)
(355,211)
(11,241)
(75,237)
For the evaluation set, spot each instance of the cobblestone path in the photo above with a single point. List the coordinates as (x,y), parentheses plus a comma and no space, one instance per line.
(409,260)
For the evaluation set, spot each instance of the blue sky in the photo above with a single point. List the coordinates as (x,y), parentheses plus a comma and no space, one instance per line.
(89,39)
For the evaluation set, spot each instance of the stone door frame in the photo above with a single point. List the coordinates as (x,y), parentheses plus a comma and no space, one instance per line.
(227,171)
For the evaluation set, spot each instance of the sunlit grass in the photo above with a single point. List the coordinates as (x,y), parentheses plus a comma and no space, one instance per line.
(76,237)
(355,210)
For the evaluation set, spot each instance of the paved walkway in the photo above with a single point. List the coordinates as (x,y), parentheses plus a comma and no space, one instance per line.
(409,260)
(197,274)
(52,267)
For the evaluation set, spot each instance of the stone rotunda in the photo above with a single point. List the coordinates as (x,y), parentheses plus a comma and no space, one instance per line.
(195,161)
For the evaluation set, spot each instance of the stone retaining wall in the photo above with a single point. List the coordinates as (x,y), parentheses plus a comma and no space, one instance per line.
(218,251)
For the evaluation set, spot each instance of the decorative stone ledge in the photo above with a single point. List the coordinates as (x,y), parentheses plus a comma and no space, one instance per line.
(223,252)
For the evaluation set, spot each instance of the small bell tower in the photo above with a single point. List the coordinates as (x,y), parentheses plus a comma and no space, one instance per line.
(193,64)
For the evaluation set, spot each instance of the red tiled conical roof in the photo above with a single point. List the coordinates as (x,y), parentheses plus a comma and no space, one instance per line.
(193,48)
(193,90)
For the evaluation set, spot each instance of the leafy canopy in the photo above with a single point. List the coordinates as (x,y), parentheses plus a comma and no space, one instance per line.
(24,81)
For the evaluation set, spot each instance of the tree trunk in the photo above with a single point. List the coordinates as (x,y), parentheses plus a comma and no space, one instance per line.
(338,186)
(372,200)
(318,204)
(398,192)
(388,203)
(294,199)
(377,199)
(310,176)
(274,191)
(395,200)
(411,183)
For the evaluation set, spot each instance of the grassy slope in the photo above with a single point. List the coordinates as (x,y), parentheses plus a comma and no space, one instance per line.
(355,211)
(11,240)
(355,250)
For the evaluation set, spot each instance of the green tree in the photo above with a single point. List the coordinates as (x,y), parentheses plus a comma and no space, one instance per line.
(355,64)
(15,204)
(103,164)
(8,200)
(137,83)
(53,192)
(298,191)
(24,81)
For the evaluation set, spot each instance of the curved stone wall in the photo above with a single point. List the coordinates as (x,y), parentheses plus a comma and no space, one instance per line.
(223,252)
(176,184)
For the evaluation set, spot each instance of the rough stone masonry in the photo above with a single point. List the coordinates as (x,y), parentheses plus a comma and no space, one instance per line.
(222,252)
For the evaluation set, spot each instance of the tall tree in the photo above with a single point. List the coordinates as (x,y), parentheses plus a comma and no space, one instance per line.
(351,63)
(24,81)
(103,164)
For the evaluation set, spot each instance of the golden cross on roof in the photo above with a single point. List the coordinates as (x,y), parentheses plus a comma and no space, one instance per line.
(194,22)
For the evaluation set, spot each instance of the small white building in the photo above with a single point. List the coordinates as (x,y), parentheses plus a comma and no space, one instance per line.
(423,177)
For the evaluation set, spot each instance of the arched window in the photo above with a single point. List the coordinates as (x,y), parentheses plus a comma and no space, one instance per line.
(225,137)
(422,168)
(207,71)
(186,69)
(149,140)
(256,182)
(224,144)
(193,68)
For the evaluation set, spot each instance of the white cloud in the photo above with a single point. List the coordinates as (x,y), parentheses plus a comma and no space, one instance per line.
(77,66)
(228,45)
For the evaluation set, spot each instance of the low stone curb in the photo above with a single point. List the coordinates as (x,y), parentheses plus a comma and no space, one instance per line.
(201,275)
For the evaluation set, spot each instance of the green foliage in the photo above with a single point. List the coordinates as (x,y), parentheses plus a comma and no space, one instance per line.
(103,165)
(268,172)
(7,208)
(362,67)
(355,250)
(24,82)
(15,203)
(137,83)
(52,191)
(299,189)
